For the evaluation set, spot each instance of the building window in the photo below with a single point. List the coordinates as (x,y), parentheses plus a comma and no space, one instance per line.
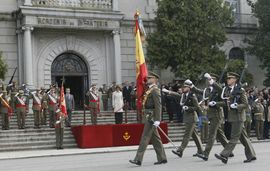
(237,53)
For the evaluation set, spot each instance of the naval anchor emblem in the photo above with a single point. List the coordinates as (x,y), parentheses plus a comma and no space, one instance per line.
(126,136)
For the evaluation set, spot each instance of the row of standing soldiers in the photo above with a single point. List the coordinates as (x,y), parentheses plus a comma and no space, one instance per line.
(44,102)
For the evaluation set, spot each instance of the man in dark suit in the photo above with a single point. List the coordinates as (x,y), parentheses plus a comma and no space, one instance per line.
(70,105)
(127,89)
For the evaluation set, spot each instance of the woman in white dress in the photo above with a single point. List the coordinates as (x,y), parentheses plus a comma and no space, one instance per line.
(118,104)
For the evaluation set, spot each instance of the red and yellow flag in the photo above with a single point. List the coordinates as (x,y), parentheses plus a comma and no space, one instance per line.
(141,68)
(62,101)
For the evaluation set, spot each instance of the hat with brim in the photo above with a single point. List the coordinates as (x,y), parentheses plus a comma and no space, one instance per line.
(187,84)
(152,75)
(232,75)
(214,76)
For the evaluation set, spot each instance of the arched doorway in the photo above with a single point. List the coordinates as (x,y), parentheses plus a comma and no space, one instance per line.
(74,70)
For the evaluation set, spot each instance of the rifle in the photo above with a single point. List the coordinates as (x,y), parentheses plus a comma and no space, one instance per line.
(11,79)
(223,72)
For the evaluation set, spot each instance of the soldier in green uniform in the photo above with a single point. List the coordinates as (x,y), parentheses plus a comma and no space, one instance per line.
(152,109)
(44,106)
(93,103)
(191,107)
(21,108)
(259,116)
(12,91)
(59,128)
(52,105)
(4,110)
(237,103)
(214,112)
(36,96)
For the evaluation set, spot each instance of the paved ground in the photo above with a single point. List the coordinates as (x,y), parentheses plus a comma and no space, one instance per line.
(117,160)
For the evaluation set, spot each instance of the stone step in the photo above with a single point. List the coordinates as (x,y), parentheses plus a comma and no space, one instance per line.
(40,147)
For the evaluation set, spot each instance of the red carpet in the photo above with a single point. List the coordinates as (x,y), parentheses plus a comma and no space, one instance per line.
(90,136)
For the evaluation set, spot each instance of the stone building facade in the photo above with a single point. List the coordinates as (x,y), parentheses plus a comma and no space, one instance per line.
(89,41)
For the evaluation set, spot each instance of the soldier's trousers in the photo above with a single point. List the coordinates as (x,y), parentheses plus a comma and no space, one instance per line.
(190,131)
(44,116)
(93,112)
(239,132)
(248,126)
(36,118)
(21,119)
(52,118)
(215,132)
(5,120)
(59,132)
(204,131)
(150,132)
(259,129)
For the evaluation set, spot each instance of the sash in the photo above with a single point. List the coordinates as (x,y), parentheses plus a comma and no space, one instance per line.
(37,99)
(21,101)
(52,98)
(94,95)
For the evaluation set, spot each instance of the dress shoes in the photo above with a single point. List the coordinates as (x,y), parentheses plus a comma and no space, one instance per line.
(222,158)
(178,153)
(202,156)
(139,163)
(161,162)
(250,160)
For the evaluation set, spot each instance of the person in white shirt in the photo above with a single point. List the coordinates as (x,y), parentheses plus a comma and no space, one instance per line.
(118,104)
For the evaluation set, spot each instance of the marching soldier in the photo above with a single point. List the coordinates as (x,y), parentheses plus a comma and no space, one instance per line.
(59,129)
(21,108)
(44,106)
(93,104)
(237,103)
(259,117)
(4,110)
(152,109)
(36,96)
(52,106)
(191,107)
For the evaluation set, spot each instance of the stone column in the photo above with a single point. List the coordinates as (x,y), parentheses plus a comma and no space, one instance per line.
(27,55)
(28,2)
(117,57)
(115,5)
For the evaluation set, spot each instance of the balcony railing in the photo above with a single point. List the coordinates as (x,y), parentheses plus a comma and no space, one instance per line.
(245,20)
(79,4)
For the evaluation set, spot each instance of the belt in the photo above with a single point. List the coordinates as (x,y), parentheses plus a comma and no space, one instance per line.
(52,103)
(20,105)
(93,100)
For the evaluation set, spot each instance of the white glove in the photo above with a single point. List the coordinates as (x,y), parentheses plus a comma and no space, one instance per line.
(188,81)
(233,106)
(211,81)
(57,122)
(212,103)
(208,76)
(165,90)
(156,123)
(185,107)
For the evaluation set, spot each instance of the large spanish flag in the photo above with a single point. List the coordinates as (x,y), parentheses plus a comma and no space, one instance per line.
(141,68)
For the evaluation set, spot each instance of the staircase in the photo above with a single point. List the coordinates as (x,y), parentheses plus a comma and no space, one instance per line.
(44,138)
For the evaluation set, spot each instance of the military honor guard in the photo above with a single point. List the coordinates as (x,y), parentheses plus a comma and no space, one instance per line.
(5,109)
(212,97)
(237,103)
(59,129)
(93,103)
(259,116)
(21,108)
(36,96)
(52,105)
(44,106)
(152,110)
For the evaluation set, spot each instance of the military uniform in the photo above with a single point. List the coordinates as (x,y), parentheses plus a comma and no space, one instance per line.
(36,109)
(215,116)
(237,104)
(59,129)
(152,109)
(248,121)
(93,105)
(52,106)
(190,118)
(259,116)
(5,111)
(44,108)
(21,109)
